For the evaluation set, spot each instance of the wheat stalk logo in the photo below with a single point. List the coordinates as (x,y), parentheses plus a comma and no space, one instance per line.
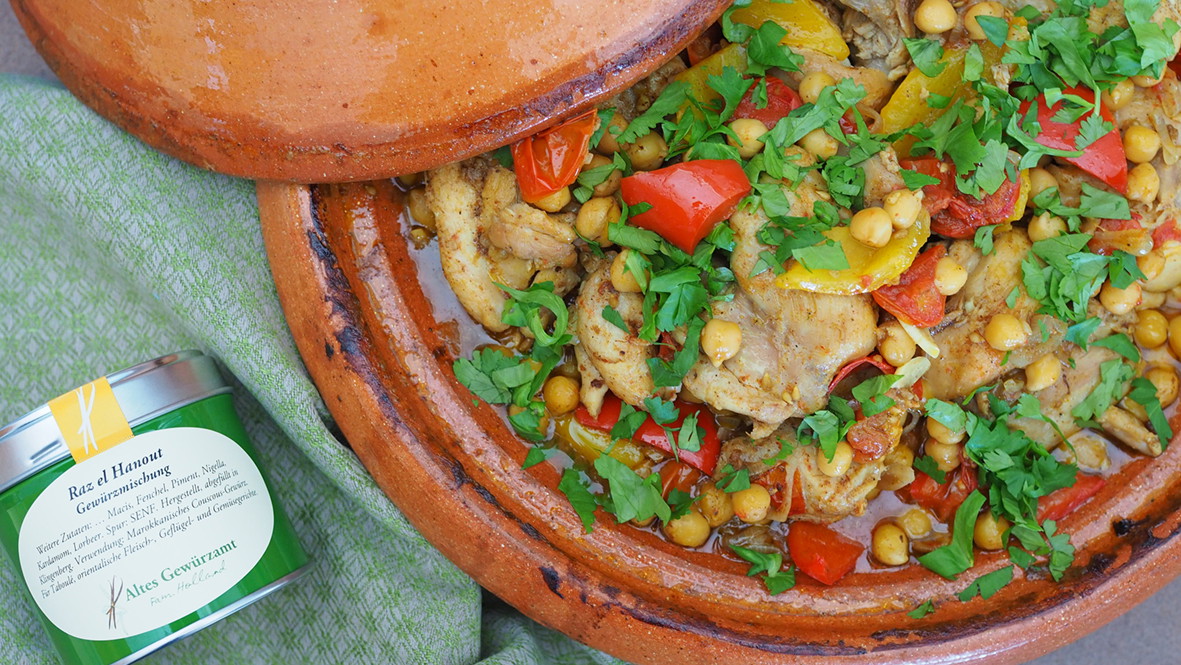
(86,429)
(115,595)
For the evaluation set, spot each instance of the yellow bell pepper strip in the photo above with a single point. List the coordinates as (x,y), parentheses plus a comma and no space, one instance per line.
(1022,196)
(697,76)
(808,27)
(869,269)
(587,444)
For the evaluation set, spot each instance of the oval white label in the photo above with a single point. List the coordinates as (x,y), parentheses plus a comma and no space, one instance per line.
(145,533)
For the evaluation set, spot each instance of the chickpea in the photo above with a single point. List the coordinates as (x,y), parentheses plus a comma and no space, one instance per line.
(1141,144)
(977,10)
(560,394)
(896,346)
(1040,180)
(1119,96)
(1046,226)
(899,471)
(946,455)
(751,504)
(990,530)
(715,505)
(842,459)
(1175,335)
(1146,81)
(621,278)
(820,144)
(871,227)
(553,202)
(747,131)
(410,179)
(1152,329)
(935,17)
(1164,378)
(688,530)
(420,237)
(1005,332)
(419,210)
(890,544)
(944,434)
(1090,452)
(916,522)
(720,340)
(648,152)
(1043,373)
(1120,301)
(595,216)
(950,276)
(903,207)
(1143,183)
(609,144)
(813,84)
(611,184)
(1151,264)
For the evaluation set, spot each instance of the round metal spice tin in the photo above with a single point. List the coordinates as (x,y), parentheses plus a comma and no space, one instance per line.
(135,512)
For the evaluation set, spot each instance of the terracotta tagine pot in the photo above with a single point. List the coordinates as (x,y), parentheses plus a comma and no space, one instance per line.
(348,90)
(364,316)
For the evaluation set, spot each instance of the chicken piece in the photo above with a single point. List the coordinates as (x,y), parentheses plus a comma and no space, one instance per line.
(1058,400)
(967,360)
(799,490)
(875,30)
(882,176)
(877,85)
(593,388)
(793,342)
(619,357)
(488,236)
(1159,108)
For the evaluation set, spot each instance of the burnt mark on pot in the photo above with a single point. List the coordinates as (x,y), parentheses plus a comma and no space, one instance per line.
(552,580)
(532,532)
(1122,528)
(328,350)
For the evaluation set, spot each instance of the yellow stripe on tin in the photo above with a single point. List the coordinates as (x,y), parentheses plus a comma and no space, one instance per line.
(90,419)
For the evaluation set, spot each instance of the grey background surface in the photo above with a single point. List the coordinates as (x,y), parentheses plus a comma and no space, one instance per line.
(1149,634)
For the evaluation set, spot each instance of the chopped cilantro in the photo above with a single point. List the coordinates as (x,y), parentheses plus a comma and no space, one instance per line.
(957,556)
(987,585)
(574,487)
(1144,393)
(922,610)
(769,565)
(926,54)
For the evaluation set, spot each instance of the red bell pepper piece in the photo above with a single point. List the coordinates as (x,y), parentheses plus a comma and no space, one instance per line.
(687,199)
(705,459)
(1114,234)
(821,553)
(781,100)
(1103,159)
(941,499)
(955,214)
(1165,233)
(547,162)
(676,475)
(914,299)
(1062,502)
(875,360)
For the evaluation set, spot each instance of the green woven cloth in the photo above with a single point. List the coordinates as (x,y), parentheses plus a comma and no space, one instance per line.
(112,254)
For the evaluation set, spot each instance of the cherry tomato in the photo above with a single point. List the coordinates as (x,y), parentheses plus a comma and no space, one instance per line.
(821,553)
(775,481)
(547,162)
(1103,159)
(914,299)
(676,475)
(705,459)
(1165,233)
(941,499)
(781,100)
(687,199)
(955,214)
(1062,502)
(874,360)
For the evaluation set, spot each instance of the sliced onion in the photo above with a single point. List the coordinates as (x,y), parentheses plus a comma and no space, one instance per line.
(922,338)
(911,371)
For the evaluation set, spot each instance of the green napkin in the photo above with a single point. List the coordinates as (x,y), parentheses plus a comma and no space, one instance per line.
(111,254)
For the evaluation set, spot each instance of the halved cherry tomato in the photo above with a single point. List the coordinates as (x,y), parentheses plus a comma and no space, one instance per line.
(705,459)
(1166,232)
(676,475)
(781,100)
(687,199)
(1118,234)
(914,299)
(955,214)
(941,499)
(775,481)
(821,553)
(1062,502)
(875,360)
(547,162)
(1104,159)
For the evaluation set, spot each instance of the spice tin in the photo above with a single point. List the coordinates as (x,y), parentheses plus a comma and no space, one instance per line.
(135,511)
